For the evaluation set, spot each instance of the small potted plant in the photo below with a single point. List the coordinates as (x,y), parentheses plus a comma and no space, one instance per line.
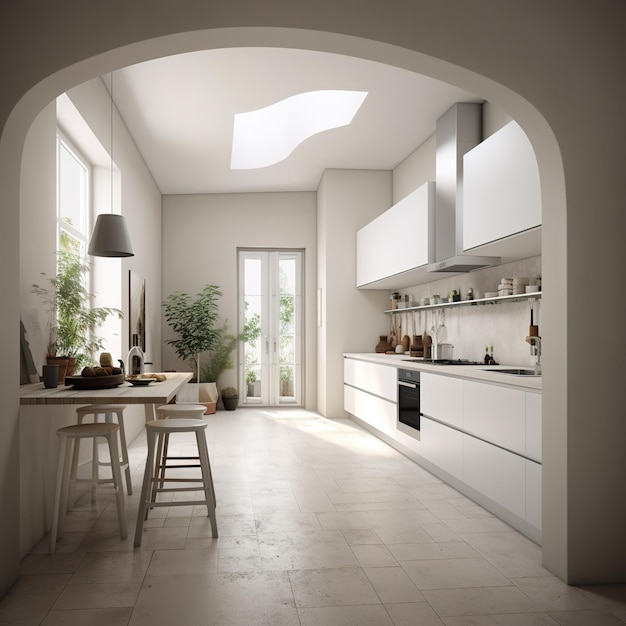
(230,398)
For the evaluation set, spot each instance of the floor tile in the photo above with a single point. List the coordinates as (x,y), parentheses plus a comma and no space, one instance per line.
(454,574)
(89,617)
(550,593)
(345,616)
(484,601)
(332,587)
(412,614)
(392,584)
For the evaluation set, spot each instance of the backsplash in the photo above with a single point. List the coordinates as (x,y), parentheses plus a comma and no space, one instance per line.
(503,325)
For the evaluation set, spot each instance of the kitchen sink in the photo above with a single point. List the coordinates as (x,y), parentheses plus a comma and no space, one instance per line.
(514,371)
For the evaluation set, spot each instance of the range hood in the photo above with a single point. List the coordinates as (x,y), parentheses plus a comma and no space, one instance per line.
(458,131)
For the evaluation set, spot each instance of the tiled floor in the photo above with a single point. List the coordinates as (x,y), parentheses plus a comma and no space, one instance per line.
(320,524)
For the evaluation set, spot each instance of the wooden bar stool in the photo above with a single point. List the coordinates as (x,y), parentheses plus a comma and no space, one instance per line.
(106,411)
(65,475)
(174,411)
(148,500)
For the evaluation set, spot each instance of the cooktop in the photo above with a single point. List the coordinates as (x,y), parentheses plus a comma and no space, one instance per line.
(445,361)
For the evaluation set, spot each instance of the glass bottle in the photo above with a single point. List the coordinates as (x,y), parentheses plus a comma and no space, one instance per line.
(135,362)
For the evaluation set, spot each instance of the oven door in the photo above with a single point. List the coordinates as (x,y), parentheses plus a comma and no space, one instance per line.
(409,400)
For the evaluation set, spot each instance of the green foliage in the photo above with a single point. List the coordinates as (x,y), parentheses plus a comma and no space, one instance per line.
(230,392)
(193,319)
(72,320)
(220,358)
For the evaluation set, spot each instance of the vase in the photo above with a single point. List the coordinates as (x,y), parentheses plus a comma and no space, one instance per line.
(230,403)
(62,362)
(383,344)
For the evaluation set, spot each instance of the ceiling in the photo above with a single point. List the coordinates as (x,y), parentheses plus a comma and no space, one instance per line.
(180,112)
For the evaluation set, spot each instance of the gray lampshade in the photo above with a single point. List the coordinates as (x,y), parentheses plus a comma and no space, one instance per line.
(110,237)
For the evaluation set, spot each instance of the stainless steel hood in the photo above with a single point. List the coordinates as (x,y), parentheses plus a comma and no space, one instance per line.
(458,131)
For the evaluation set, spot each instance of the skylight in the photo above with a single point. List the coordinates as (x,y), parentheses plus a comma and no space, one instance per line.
(269,135)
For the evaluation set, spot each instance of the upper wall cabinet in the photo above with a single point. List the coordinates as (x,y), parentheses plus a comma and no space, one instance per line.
(392,250)
(502,196)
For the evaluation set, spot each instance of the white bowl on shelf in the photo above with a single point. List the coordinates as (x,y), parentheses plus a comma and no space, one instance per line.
(532,288)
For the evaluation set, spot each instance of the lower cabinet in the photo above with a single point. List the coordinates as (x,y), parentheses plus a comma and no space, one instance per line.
(374,410)
(442,446)
(496,473)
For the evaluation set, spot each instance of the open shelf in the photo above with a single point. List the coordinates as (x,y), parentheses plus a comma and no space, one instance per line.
(514,298)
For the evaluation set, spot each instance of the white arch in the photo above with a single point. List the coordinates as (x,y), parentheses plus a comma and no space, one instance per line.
(534,124)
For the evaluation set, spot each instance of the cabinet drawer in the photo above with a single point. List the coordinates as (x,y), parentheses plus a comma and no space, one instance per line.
(441,398)
(377,412)
(495,414)
(442,446)
(379,380)
(496,473)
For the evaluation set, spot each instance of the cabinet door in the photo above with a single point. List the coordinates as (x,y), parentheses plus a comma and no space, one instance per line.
(441,397)
(382,246)
(533,426)
(496,414)
(377,412)
(379,380)
(442,446)
(533,494)
(501,190)
(496,473)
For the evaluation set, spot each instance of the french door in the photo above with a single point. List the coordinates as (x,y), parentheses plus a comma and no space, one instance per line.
(270,322)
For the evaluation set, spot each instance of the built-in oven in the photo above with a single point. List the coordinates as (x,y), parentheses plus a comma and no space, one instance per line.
(409,398)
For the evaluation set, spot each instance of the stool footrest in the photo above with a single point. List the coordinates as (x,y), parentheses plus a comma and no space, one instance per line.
(185,503)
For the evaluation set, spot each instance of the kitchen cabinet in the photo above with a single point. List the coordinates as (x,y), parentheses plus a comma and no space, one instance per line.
(370,393)
(496,473)
(442,446)
(441,397)
(502,196)
(375,411)
(392,250)
(496,414)
(378,380)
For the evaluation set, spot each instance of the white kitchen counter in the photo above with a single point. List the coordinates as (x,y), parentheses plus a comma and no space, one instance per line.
(470,372)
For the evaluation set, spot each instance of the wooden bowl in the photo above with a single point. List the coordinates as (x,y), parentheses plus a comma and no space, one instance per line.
(95,382)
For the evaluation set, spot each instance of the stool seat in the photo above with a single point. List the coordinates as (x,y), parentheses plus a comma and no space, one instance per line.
(66,472)
(155,430)
(180,411)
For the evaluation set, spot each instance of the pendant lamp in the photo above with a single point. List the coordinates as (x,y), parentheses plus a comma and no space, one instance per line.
(110,236)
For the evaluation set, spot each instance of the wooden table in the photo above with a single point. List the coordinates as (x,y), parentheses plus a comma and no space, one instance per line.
(150,396)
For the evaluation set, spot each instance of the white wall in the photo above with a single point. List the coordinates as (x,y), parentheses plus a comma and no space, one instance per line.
(352,319)
(141,203)
(201,234)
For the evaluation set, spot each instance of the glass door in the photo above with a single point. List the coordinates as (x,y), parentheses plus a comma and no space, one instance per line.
(270,322)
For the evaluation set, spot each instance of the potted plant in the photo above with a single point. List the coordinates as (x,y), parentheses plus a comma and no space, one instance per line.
(194,319)
(72,321)
(218,359)
(230,398)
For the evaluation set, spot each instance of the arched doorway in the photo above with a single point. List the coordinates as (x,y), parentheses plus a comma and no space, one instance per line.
(387,39)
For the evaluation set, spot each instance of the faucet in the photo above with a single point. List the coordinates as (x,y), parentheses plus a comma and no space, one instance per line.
(535,350)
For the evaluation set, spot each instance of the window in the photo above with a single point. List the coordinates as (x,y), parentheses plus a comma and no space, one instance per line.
(73,204)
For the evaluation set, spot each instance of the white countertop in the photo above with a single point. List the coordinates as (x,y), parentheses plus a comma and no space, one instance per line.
(473,372)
